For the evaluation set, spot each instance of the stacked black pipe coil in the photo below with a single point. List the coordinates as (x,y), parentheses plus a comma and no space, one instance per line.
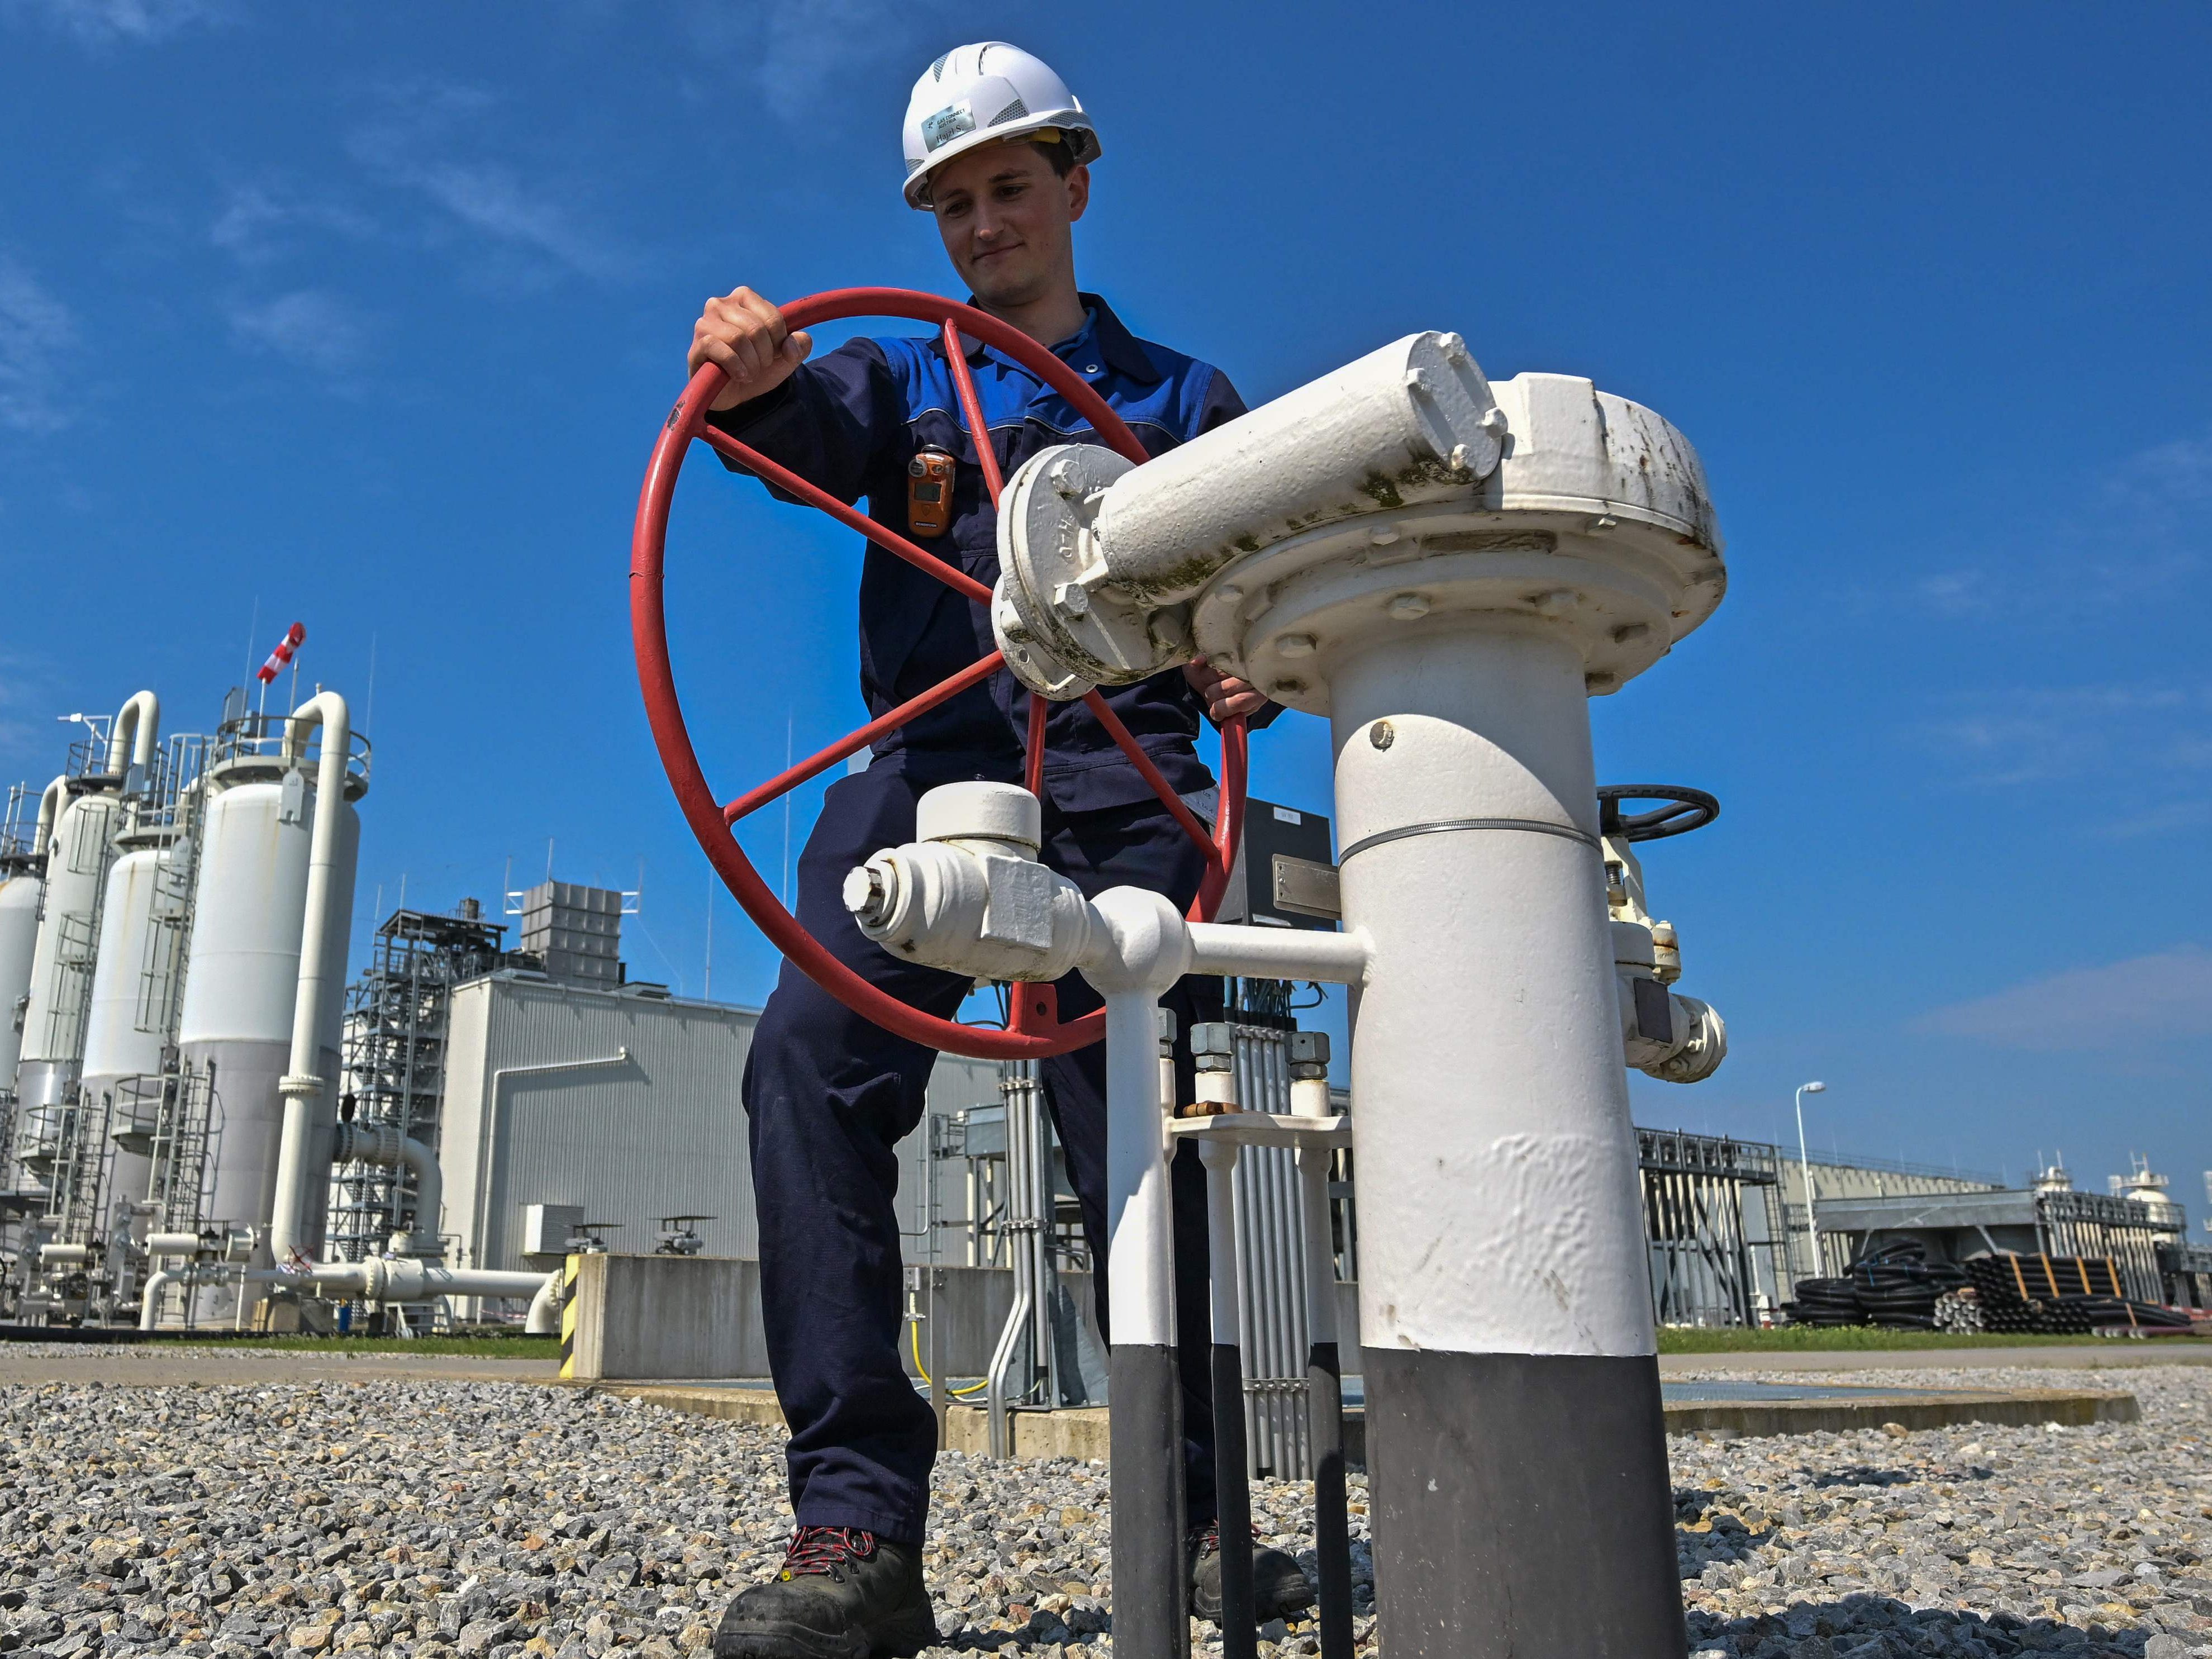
(2062,1296)
(1897,1286)
(1825,1301)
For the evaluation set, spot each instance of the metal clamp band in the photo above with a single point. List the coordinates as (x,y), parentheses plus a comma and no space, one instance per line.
(1535,826)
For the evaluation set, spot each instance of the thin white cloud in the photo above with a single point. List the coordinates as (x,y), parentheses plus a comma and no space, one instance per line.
(260,222)
(100,22)
(2045,734)
(2171,475)
(428,137)
(803,54)
(2134,532)
(36,332)
(313,329)
(2164,997)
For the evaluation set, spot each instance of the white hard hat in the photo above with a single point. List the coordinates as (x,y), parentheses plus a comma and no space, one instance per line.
(985,95)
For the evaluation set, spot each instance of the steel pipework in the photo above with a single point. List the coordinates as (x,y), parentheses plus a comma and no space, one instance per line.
(383,1145)
(320,976)
(49,805)
(400,1279)
(140,716)
(1504,1317)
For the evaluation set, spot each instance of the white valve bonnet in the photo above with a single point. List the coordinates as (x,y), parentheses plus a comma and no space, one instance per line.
(987,93)
(979,810)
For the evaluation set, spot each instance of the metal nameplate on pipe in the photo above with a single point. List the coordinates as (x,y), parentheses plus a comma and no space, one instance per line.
(1307,888)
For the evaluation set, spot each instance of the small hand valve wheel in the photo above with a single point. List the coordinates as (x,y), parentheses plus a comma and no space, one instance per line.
(1680,811)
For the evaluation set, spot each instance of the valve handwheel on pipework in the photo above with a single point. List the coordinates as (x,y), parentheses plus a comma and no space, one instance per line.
(1033,1028)
(1682,811)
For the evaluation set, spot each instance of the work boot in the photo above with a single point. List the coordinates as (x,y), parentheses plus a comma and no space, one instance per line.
(1279,1585)
(842,1595)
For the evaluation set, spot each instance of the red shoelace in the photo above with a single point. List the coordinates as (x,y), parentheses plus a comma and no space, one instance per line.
(822,1550)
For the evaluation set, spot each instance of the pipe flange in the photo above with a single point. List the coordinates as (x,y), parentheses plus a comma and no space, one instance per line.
(1062,628)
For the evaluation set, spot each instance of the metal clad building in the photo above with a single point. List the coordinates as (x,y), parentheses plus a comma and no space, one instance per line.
(543,1106)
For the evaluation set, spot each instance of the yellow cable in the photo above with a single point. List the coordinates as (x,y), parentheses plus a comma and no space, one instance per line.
(913,1341)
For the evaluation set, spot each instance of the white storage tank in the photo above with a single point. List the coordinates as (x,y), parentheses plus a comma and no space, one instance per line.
(243,964)
(61,961)
(20,889)
(119,1046)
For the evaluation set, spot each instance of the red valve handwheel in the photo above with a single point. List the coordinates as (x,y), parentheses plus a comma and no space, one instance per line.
(1033,1028)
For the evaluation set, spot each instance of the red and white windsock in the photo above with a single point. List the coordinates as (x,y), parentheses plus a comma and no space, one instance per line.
(294,637)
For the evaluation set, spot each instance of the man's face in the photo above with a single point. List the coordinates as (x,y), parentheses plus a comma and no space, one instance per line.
(1005,218)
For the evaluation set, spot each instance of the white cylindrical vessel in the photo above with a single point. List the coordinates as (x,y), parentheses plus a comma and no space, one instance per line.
(61,961)
(123,1033)
(20,889)
(243,969)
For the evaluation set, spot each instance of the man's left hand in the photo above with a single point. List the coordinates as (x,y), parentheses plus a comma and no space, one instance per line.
(1226,696)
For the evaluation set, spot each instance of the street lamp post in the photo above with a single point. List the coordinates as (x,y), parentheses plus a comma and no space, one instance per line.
(1805,1166)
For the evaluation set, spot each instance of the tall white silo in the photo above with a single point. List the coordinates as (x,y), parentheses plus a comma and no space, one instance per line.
(243,964)
(21,886)
(77,853)
(123,1031)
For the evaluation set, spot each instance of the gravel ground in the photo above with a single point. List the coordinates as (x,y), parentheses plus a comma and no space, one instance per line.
(516,1521)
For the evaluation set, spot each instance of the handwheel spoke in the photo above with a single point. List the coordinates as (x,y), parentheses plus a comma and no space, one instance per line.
(890,540)
(1033,757)
(1150,773)
(944,692)
(979,433)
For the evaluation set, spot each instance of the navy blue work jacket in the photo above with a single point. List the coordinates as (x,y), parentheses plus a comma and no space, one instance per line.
(850,421)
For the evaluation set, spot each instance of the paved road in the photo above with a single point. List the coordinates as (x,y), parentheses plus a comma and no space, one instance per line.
(2067,1356)
(164,1365)
(160,1365)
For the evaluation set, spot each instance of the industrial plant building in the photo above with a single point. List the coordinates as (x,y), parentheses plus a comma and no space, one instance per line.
(203,1122)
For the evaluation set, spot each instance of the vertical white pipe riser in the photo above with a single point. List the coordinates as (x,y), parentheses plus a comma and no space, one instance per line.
(1231,1494)
(1144,1397)
(303,1155)
(1505,1321)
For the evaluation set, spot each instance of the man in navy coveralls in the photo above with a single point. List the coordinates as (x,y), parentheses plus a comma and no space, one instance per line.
(998,151)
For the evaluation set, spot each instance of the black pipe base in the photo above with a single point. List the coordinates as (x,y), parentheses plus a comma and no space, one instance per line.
(1151,1568)
(1332,1522)
(1522,1506)
(1232,1497)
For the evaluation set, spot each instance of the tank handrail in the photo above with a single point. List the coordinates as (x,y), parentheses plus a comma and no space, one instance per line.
(273,737)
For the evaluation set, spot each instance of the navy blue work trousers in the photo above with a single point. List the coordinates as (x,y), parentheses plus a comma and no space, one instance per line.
(828,1096)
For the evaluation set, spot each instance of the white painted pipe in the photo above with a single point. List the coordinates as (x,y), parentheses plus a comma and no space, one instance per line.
(497,1097)
(1278,953)
(150,1294)
(49,806)
(388,1279)
(1140,1218)
(142,718)
(545,1316)
(382,1143)
(401,1279)
(319,982)
(1505,1315)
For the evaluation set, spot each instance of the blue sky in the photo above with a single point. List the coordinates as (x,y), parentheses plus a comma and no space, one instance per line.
(365,316)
